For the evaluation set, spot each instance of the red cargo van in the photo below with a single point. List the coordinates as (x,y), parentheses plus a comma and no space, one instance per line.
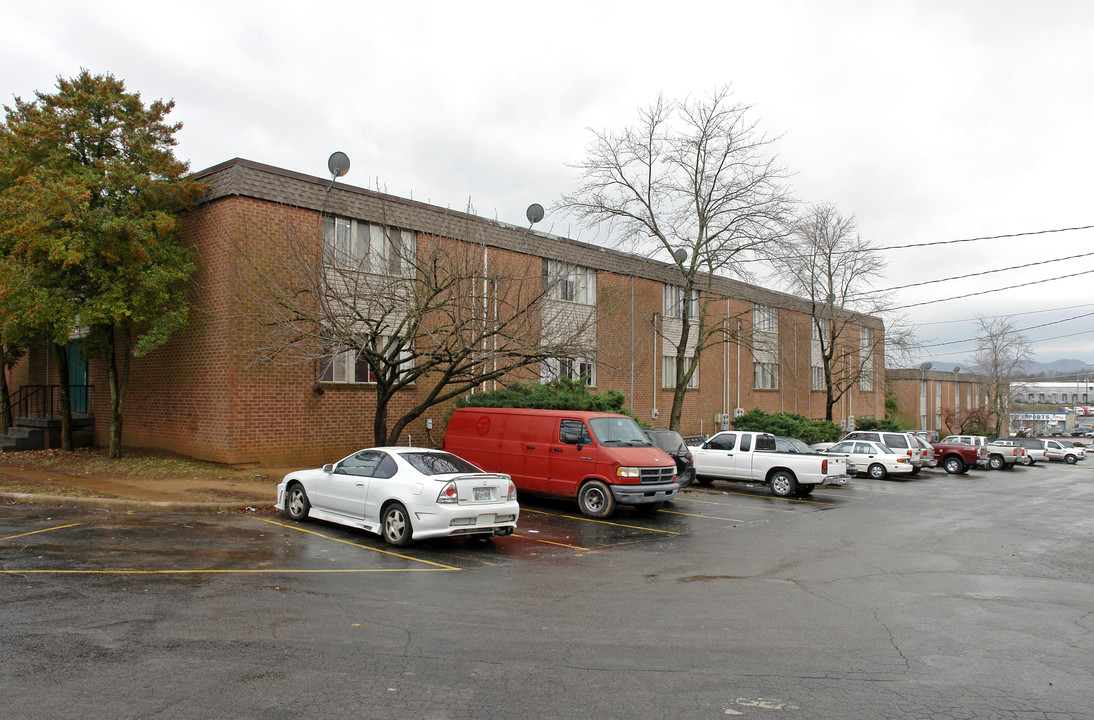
(601,459)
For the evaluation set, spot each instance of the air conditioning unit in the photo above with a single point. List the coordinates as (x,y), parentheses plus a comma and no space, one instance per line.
(654,414)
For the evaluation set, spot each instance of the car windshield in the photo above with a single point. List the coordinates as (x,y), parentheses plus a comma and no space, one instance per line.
(667,440)
(438,463)
(798,446)
(618,431)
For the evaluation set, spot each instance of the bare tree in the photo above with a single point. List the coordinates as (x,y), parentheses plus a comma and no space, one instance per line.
(1001,355)
(692,175)
(827,262)
(429,317)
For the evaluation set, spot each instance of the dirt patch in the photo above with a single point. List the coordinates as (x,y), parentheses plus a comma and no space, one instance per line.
(88,472)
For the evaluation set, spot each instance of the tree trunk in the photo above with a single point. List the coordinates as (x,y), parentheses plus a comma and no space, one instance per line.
(6,419)
(60,353)
(114,451)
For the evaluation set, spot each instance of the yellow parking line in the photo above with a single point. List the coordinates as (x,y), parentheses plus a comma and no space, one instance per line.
(214,572)
(552,542)
(35,532)
(365,547)
(602,522)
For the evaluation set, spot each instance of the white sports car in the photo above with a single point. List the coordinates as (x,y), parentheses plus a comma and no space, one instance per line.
(403,494)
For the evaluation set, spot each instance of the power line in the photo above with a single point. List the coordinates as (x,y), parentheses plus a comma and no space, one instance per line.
(1031,327)
(995,290)
(1032,342)
(971,275)
(992,317)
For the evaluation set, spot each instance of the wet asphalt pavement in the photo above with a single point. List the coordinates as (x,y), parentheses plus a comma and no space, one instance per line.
(936,597)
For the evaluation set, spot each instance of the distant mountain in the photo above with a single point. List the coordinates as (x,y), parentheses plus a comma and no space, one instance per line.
(1057,368)
(1062,369)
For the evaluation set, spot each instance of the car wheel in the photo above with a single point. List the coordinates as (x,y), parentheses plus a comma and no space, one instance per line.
(297,503)
(704,479)
(395,525)
(687,478)
(1027,461)
(954,465)
(783,484)
(877,472)
(595,499)
(804,490)
(648,508)
(995,462)
(1070,459)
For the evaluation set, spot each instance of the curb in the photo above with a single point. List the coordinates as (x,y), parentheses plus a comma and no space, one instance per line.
(129,504)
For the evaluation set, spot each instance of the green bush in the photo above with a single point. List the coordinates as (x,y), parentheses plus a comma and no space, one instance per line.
(560,394)
(789,425)
(884,425)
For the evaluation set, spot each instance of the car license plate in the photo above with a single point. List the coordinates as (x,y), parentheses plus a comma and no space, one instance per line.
(482,494)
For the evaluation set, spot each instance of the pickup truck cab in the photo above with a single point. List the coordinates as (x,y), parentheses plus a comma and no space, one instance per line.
(1064,451)
(752,457)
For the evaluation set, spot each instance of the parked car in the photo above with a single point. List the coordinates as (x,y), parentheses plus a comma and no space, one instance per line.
(896,441)
(794,445)
(876,460)
(1064,451)
(930,436)
(929,459)
(602,460)
(957,458)
(671,442)
(403,494)
(1035,448)
(753,457)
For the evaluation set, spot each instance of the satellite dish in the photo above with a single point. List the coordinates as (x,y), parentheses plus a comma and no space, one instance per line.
(956,369)
(338,164)
(534,213)
(681,255)
(926,366)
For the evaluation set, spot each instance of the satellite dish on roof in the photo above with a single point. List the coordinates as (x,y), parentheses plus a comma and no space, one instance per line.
(681,255)
(338,164)
(534,213)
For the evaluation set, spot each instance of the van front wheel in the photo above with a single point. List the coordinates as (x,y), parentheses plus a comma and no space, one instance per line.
(595,499)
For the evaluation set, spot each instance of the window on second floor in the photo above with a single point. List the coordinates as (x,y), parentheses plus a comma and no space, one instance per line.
(367,247)
(572,283)
(765,319)
(673,302)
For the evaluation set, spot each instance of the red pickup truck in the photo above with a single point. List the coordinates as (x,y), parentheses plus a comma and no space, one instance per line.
(957,458)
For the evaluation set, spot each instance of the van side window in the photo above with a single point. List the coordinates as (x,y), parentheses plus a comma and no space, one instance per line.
(896,441)
(746,443)
(574,427)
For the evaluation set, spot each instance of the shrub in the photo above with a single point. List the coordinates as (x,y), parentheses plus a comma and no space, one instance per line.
(789,425)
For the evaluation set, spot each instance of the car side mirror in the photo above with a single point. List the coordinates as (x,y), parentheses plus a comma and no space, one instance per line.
(328,468)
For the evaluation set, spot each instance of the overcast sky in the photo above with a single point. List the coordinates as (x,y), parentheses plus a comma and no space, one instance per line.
(928,121)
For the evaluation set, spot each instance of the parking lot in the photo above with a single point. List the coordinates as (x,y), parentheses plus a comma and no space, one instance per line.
(945,596)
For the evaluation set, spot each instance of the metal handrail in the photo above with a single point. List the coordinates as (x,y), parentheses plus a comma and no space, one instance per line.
(44,401)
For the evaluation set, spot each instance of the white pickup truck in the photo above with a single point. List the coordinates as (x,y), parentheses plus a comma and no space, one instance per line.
(752,457)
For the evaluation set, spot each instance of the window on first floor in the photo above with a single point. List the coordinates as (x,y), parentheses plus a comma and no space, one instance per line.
(816,378)
(350,366)
(668,373)
(576,369)
(765,376)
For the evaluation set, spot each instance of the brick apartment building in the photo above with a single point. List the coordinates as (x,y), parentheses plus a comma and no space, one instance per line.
(935,399)
(201,396)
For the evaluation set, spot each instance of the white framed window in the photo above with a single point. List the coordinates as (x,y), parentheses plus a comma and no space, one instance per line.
(576,369)
(349,366)
(672,302)
(571,283)
(816,378)
(765,376)
(367,247)
(765,319)
(668,373)
(866,355)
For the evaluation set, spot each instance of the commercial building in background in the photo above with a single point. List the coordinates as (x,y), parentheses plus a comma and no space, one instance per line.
(203,396)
